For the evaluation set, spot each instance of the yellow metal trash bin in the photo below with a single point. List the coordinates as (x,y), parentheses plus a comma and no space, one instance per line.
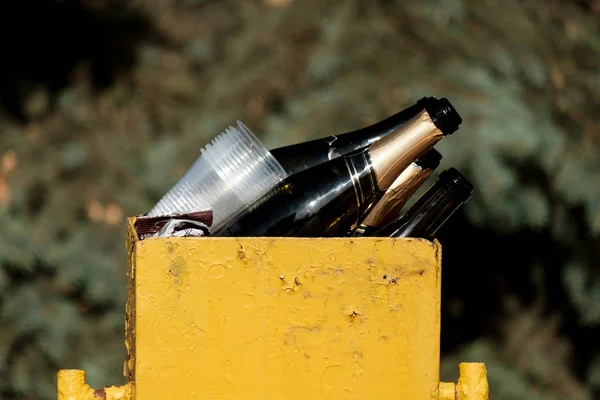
(282,318)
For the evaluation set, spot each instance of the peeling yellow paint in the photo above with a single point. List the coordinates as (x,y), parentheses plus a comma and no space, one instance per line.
(71,385)
(118,392)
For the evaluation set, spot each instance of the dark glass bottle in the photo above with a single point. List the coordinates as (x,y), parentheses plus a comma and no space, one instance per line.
(326,200)
(301,156)
(432,210)
(393,200)
(331,198)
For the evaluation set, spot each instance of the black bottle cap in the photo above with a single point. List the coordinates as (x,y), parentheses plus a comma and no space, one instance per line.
(443,114)
(427,100)
(430,159)
(455,178)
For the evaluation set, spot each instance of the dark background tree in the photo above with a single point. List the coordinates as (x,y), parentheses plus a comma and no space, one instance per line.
(103,107)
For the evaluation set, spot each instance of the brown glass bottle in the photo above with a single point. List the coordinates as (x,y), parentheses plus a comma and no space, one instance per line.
(301,156)
(432,210)
(331,198)
(393,200)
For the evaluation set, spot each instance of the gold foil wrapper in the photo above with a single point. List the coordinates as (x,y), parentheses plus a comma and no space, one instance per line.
(394,153)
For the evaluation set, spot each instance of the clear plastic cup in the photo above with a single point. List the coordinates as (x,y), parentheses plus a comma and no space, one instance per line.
(233,171)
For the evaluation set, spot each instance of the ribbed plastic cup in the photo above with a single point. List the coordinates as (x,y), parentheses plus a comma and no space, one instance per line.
(233,171)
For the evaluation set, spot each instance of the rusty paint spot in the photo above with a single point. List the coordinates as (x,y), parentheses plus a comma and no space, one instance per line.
(297,281)
(353,315)
(171,248)
(177,270)
(100,394)
(241,255)
(421,272)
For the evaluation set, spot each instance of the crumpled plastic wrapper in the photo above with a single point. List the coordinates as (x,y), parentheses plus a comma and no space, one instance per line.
(183,228)
(190,224)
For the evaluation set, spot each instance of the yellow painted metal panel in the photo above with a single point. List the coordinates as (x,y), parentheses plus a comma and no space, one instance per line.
(284,318)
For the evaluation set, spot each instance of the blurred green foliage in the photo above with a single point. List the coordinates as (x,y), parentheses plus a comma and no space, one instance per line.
(88,141)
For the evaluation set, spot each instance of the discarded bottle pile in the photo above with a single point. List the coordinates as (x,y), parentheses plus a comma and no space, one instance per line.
(354,184)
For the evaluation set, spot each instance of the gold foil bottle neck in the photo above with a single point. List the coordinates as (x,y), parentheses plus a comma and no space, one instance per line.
(395,152)
(392,201)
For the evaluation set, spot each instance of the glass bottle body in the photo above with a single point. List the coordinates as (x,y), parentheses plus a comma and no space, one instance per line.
(326,200)
(298,157)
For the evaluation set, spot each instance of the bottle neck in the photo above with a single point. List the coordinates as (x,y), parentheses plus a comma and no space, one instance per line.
(352,141)
(394,153)
(431,211)
(396,196)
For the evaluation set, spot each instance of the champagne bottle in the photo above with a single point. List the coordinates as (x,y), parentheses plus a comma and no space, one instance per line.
(433,209)
(331,198)
(392,201)
(301,156)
